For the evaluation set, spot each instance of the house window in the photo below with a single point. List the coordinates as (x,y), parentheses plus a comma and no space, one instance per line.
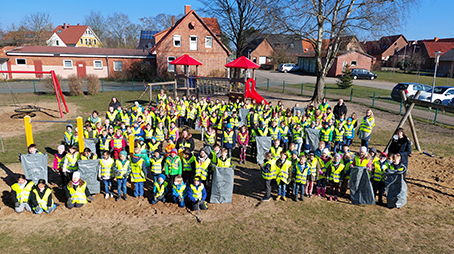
(81,41)
(192,42)
(354,63)
(86,41)
(208,42)
(56,42)
(21,61)
(97,64)
(170,67)
(67,64)
(118,66)
(94,41)
(177,41)
(89,41)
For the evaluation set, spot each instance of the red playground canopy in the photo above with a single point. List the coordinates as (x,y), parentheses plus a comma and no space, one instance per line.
(242,62)
(185,60)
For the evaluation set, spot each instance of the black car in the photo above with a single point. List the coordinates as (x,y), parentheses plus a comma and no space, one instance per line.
(362,74)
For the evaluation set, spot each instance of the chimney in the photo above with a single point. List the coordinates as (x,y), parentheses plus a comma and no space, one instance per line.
(187,9)
(64,26)
(435,39)
(173,20)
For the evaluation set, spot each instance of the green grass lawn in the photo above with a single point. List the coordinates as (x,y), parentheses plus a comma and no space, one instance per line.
(406,77)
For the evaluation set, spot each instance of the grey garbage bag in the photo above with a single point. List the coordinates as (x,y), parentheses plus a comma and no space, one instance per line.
(312,138)
(395,188)
(361,191)
(197,123)
(89,173)
(296,109)
(35,166)
(222,187)
(263,146)
(91,143)
(243,114)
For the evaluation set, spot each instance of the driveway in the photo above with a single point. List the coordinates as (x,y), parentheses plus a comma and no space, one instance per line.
(276,78)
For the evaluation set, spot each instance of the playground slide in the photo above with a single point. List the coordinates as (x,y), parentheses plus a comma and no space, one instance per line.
(252,93)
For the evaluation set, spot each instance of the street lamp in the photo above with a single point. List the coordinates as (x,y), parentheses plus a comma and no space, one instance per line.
(437,58)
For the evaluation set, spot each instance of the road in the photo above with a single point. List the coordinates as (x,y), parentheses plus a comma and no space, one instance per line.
(276,78)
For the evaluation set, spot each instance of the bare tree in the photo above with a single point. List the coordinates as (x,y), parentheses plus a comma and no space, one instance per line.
(160,22)
(98,23)
(123,32)
(316,20)
(241,20)
(38,22)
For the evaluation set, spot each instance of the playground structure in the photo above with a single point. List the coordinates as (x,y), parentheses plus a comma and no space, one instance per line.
(57,88)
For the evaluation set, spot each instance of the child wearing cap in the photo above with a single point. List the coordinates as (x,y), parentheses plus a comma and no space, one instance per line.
(228,139)
(159,190)
(197,195)
(122,169)
(325,162)
(173,166)
(179,191)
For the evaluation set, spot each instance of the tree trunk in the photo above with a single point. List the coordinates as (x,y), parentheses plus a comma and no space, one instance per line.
(319,86)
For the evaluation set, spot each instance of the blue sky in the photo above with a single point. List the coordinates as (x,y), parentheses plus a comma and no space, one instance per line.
(431,18)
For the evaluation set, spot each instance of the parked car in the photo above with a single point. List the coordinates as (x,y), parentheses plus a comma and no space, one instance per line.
(451,103)
(288,67)
(358,73)
(442,95)
(410,89)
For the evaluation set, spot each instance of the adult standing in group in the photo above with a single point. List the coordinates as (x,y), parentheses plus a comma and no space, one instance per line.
(114,103)
(400,144)
(340,109)
(365,128)
(20,194)
(185,141)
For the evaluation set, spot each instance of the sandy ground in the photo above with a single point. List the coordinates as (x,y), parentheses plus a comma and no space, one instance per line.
(430,182)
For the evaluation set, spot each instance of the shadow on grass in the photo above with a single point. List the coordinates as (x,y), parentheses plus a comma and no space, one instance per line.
(415,182)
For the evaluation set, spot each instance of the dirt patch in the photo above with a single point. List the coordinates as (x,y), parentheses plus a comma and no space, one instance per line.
(12,126)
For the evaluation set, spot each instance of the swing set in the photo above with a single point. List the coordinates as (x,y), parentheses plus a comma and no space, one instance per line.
(57,88)
(410,103)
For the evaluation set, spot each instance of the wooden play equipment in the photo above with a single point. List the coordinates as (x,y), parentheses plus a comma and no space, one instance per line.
(186,61)
(239,64)
(58,92)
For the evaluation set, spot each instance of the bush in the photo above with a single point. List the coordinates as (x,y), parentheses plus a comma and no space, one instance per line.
(141,71)
(345,81)
(93,84)
(376,66)
(75,85)
(217,74)
(48,83)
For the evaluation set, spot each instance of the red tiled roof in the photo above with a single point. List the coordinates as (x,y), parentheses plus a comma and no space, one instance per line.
(185,60)
(24,35)
(433,46)
(79,50)
(213,24)
(243,63)
(70,34)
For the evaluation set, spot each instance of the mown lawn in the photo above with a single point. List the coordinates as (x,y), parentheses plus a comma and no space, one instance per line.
(413,77)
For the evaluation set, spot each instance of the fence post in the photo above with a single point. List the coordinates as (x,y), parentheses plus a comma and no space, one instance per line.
(373,100)
(28,130)
(436,115)
(102,85)
(34,86)
(351,95)
(283,86)
(401,104)
(267,84)
(302,85)
(132,81)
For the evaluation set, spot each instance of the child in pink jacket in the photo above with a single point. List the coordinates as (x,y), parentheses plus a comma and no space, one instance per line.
(58,164)
(243,141)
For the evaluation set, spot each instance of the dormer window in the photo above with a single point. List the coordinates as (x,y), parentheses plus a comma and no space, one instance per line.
(59,31)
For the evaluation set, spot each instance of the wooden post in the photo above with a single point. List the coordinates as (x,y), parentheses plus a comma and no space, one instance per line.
(175,89)
(151,93)
(28,130)
(404,118)
(131,144)
(80,133)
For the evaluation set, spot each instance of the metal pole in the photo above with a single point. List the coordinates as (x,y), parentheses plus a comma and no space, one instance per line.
(132,81)
(34,86)
(401,104)
(283,86)
(373,100)
(302,85)
(267,84)
(437,57)
(102,85)
(436,115)
(351,95)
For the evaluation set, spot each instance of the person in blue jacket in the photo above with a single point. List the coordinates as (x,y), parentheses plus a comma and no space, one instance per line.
(159,190)
(197,195)
(179,191)
(228,139)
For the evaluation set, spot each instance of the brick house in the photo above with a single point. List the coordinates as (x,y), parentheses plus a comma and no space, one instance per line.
(73,36)
(385,48)
(104,62)
(198,37)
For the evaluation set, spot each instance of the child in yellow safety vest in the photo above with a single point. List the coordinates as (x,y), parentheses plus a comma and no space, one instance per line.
(268,174)
(313,171)
(243,141)
(41,198)
(69,135)
(122,169)
(276,150)
(88,155)
(335,174)
(179,191)
(283,175)
(301,171)
(71,158)
(202,164)
(58,164)
(188,163)
(77,192)
(20,194)
(378,182)
(106,173)
(338,137)
(159,190)
(325,162)
(138,172)
(224,161)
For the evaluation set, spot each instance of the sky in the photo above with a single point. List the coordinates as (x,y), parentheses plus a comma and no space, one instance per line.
(428,19)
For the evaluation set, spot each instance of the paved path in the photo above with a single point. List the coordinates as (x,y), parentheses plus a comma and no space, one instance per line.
(276,78)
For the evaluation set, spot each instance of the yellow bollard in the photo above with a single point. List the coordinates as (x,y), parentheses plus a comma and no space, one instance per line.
(28,130)
(131,144)
(80,133)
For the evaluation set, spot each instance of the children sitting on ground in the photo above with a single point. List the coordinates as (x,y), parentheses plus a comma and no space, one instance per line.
(197,195)
(159,190)
(179,191)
